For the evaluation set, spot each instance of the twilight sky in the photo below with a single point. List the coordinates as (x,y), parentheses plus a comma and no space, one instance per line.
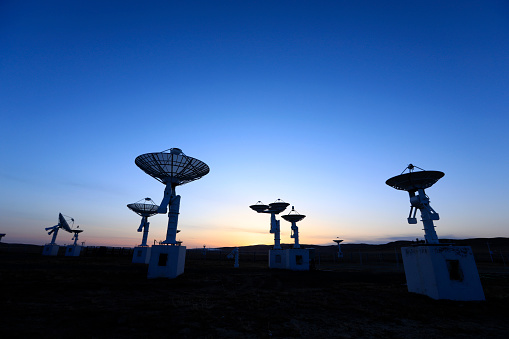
(313,102)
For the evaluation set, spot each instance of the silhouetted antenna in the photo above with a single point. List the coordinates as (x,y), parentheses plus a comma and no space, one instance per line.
(413,182)
(274,208)
(294,217)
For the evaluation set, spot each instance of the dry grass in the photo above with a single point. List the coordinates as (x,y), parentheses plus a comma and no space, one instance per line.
(93,297)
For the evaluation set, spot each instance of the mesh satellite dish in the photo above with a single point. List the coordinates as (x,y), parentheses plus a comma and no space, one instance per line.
(64,223)
(416,182)
(274,208)
(173,169)
(294,217)
(144,208)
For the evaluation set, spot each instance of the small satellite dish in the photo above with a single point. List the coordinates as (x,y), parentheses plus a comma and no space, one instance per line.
(294,217)
(276,207)
(259,207)
(147,208)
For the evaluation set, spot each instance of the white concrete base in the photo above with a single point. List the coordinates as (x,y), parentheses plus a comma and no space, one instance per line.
(166,261)
(72,251)
(297,259)
(141,255)
(277,258)
(50,249)
(442,272)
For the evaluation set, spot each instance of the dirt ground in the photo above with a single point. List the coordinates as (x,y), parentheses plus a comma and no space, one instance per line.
(98,297)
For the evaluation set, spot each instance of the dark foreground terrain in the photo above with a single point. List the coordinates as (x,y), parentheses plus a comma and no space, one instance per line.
(99,297)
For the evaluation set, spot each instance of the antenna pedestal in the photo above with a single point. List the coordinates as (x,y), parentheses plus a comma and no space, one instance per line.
(166,261)
(50,249)
(421,202)
(73,251)
(276,229)
(295,235)
(299,259)
(277,258)
(173,219)
(141,255)
(442,272)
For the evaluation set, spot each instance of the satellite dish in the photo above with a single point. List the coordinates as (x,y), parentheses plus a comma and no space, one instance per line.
(274,208)
(417,182)
(294,217)
(145,208)
(62,223)
(172,168)
(413,181)
(259,207)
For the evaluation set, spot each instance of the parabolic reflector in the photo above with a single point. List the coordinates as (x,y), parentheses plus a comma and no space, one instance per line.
(413,181)
(172,167)
(63,223)
(143,209)
(293,217)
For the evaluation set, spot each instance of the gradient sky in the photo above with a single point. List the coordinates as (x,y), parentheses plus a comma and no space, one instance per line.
(317,103)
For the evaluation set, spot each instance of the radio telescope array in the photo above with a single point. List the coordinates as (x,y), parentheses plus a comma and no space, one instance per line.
(144,208)
(438,271)
(294,258)
(172,169)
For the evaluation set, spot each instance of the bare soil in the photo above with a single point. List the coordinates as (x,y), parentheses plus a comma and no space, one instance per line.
(98,297)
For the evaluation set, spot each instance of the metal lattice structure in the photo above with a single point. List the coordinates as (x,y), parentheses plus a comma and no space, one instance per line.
(172,167)
(143,209)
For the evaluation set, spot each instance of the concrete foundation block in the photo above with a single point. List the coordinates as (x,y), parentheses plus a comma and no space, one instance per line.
(166,261)
(50,249)
(442,272)
(141,255)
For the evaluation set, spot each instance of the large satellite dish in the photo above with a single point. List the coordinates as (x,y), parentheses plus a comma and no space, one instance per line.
(413,181)
(172,167)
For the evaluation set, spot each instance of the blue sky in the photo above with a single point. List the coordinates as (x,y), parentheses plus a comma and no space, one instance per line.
(313,102)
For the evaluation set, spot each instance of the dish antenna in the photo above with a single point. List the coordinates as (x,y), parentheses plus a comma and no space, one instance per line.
(338,241)
(173,169)
(275,208)
(62,223)
(432,269)
(294,217)
(144,208)
(416,182)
